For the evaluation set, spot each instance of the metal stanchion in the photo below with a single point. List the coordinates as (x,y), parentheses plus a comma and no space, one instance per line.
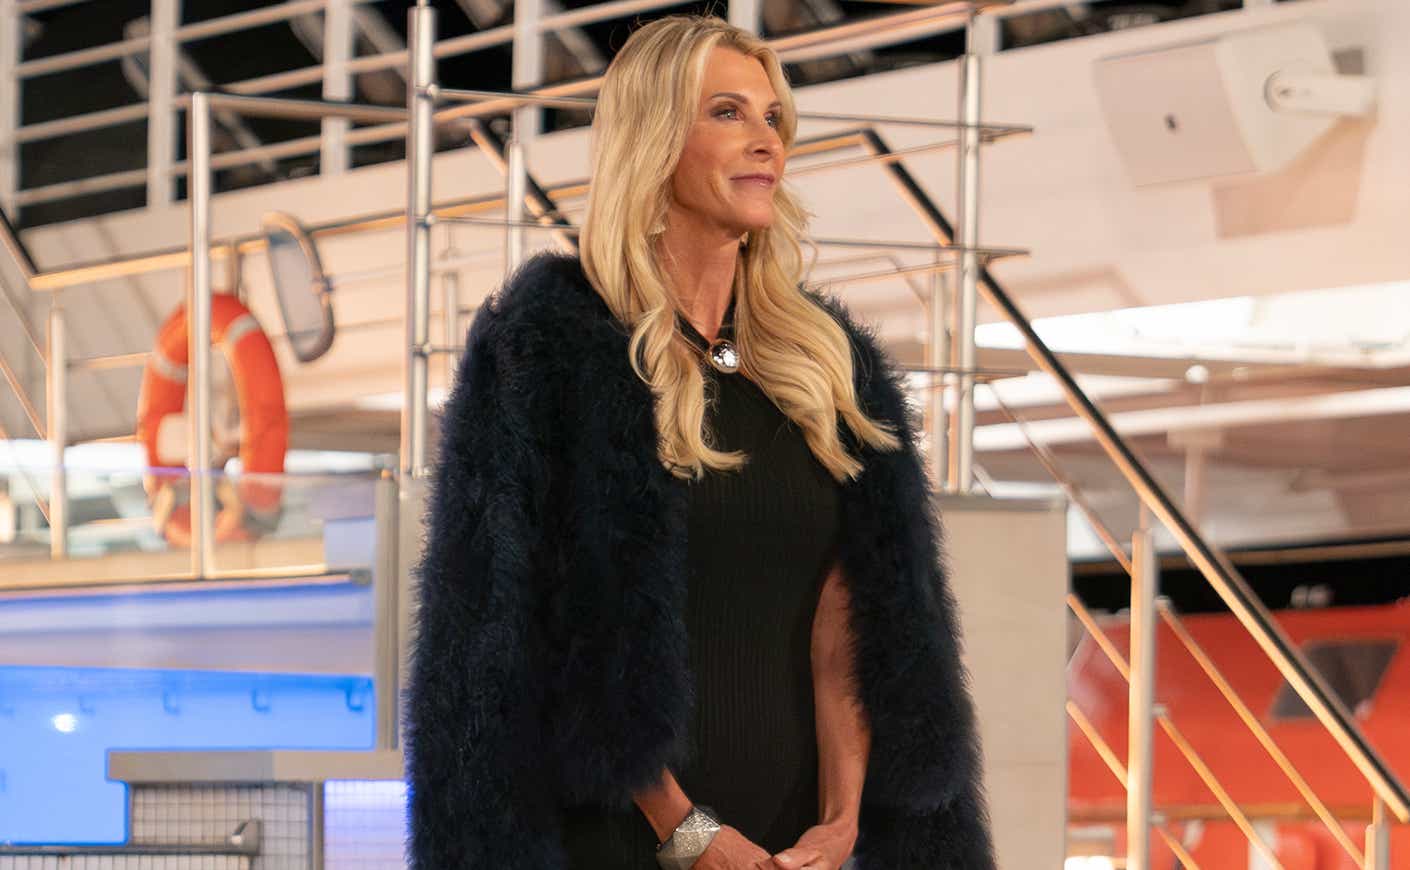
(963,357)
(420,148)
(515,183)
(1378,838)
(198,329)
(58,374)
(937,355)
(1139,757)
(386,636)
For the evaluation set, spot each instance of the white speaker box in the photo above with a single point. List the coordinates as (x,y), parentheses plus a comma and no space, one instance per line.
(1200,110)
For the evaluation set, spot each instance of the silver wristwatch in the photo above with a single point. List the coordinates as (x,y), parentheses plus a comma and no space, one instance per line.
(689,840)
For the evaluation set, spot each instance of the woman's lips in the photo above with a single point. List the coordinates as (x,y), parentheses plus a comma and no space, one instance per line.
(760,180)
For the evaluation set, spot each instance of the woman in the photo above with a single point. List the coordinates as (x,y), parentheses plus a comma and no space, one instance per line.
(681,599)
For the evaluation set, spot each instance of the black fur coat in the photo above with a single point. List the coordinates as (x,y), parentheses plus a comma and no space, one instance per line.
(549,665)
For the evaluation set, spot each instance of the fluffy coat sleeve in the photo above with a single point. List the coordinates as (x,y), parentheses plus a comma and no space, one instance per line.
(474,697)
(923,803)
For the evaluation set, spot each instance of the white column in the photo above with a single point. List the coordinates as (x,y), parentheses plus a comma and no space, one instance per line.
(963,355)
(420,149)
(198,329)
(937,356)
(337,83)
(11,44)
(524,124)
(1141,731)
(747,14)
(161,98)
(1378,838)
(58,371)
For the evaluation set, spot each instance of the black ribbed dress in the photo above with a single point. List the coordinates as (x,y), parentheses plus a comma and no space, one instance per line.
(761,541)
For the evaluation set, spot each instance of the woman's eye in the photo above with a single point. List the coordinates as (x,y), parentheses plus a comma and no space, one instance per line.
(773,120)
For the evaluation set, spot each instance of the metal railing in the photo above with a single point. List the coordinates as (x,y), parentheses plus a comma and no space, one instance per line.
(1146,607)
(335,73)
(420,118)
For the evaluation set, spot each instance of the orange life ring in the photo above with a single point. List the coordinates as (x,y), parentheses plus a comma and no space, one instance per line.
(247,507)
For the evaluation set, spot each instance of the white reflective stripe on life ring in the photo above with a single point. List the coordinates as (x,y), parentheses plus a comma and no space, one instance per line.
(239,328)
(169,369)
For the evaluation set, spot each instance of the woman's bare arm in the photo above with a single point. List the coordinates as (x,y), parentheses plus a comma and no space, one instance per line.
(844,736)
(664,804)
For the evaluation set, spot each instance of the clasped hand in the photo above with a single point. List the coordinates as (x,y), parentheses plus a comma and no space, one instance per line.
(822,847)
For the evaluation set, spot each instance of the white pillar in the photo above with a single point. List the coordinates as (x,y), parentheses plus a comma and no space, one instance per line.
(337,83)
(11,46)
(420,149)
(1141,734)
(161,98)
(198,328)
(57,426)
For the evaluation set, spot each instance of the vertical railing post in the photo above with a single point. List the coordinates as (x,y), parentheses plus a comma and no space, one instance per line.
(198,329)
(161,101)
(57,430)
(1139,759)
(937,356)
(386,634)
(337,83)
(420,149)
(961,458)
(527,74)
(747,14)
(11,50)
(1378,838)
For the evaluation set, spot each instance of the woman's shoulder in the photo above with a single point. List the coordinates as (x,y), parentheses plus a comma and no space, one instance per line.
(868,355)
(544,306)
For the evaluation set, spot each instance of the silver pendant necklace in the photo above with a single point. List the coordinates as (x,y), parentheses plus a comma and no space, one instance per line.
(721,353)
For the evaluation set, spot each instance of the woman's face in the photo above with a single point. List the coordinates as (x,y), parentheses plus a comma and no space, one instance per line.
(733,158)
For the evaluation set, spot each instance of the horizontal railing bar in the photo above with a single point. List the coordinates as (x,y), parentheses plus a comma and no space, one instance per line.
(599,12)
(865,159)
(82,187)
(868,243)
(840,38)
(1356,813)
(116,361)
(87,585)
(453,47)
(81,123)
(990,131)
(83,57)
(463,95)
(166,585)
(125,849)
(29,7)
(923,269)
(249,19)
(298,109)
(500,222)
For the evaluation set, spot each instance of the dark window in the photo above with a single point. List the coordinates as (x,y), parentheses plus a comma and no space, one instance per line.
(1353,668)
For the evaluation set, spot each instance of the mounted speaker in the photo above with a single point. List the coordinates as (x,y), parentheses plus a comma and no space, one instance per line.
(1217,108)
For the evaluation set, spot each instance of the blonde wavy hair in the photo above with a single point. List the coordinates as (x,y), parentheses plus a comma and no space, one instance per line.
(789,345)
